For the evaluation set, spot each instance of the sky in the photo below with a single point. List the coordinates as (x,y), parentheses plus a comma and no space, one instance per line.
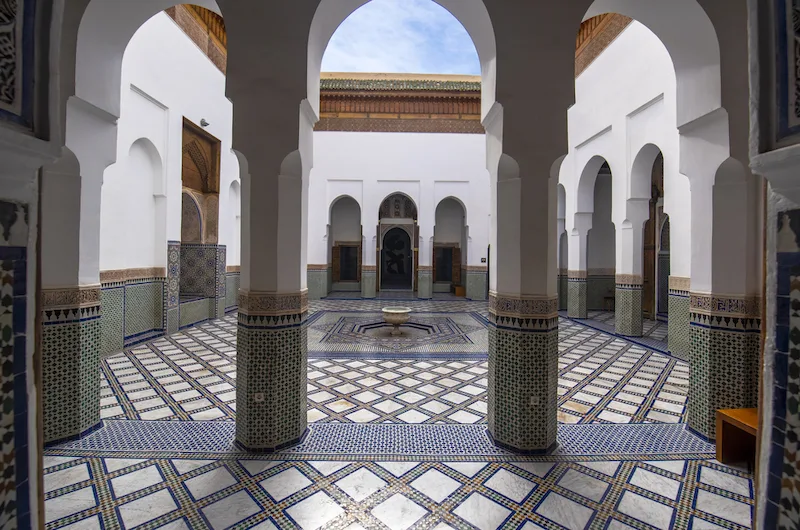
(401,36)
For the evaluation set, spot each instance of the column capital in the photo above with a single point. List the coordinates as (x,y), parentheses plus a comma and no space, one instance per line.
(257,303)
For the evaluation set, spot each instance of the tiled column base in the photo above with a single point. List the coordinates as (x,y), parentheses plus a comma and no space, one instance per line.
(628,305)
(723,358)
(70,361)
(678,329)
(576,299)
(425,283)
(523,373)
(368,277)
(476,282)
(563,292)
(271,360)
(317,281)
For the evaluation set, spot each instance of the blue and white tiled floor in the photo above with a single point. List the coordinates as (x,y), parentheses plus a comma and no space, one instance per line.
(397,438)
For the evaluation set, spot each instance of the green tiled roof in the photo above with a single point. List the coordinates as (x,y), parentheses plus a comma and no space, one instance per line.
(397,84)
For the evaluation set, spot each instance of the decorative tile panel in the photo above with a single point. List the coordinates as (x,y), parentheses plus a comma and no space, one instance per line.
(317,281)
(628,305)
(272,358)
(71,343)
(724,352)
(523,371)
(112,301)
(476,281)
(14,466)
(17,61)
(198,270)
(576,299)
(173,274)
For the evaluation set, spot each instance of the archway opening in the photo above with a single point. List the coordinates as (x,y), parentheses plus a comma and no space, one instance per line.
(345,243)
(398,257)
(601,247)
(651,255)
(449,247)
(397,262)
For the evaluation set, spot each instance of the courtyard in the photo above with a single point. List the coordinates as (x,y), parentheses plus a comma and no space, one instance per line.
(397,435)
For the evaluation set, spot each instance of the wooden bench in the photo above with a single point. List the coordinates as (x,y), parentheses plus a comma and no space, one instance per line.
(736,435)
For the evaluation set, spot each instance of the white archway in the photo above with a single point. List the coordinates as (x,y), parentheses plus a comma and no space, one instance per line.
(472,14)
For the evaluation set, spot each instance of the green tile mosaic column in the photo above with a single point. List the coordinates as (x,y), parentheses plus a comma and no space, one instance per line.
(476,282)
(523,373)
(724,355)
(425,282)
(71,342)
(563,290)
(317,281)
(628,305)
(678,328)
(368,279)
(576,300)
(271,364)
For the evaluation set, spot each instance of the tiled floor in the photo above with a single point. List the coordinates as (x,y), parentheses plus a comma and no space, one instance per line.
(434,374)
(397,439)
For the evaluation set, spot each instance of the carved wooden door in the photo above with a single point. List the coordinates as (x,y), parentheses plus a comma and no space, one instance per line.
(336,263)
(456,266)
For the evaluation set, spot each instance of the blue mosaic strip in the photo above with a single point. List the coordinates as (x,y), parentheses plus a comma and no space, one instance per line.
(443,356)
(390,439)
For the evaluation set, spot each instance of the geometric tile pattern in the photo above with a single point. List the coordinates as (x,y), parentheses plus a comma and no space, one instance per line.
(198,270)
(679,333)
(112,301)
(724,358)
(192,375)
(523,372)
(576,301)
(70,356)
(379,440)
(424,333)
(15,506)
(185,492)
(652,330)
(628,308)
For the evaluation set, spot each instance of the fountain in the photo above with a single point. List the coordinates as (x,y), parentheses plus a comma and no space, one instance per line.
(396,316)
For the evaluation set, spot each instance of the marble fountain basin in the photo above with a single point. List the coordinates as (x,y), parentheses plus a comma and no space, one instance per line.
(396,316)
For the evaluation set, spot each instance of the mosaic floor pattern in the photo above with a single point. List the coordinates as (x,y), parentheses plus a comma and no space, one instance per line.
(442,379)
(397,438)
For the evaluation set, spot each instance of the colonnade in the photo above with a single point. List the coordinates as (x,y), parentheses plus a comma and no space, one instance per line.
(274,54)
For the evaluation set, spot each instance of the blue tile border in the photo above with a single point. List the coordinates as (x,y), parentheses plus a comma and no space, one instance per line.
(14,259)
(418,440)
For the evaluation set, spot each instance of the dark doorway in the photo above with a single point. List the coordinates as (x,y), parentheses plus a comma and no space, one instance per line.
(348,264)
(443,257)
(396,260)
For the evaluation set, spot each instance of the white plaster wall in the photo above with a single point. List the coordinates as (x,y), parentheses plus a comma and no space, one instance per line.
(165,78)
(625,100)
(345,220)
(449,222)
(427,167)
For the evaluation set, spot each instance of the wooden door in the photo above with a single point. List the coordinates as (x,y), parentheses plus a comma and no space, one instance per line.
(456,266)
(336,263)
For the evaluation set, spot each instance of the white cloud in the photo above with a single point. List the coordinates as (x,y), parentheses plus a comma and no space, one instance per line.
(401,36)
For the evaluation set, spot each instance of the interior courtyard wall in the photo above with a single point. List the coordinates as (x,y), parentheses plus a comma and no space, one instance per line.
(372,166)
(165,78)
(625,100)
